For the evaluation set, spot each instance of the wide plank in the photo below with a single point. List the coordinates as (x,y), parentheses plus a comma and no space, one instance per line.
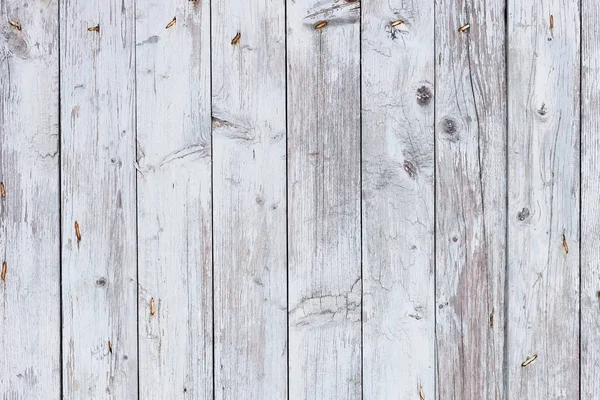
(543,200)
(29,201)
(249,199)
(324,199)
(471,189)
(99,273)
(174,198)
(590,206)
(398,199)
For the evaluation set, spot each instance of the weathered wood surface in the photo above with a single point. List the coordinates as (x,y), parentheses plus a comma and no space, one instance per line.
(324,204)
(398,202)
(590,204)
(470,106)
(99,282)
(29,201)
(174,199)
(543,199)
(303,199)
(249,208)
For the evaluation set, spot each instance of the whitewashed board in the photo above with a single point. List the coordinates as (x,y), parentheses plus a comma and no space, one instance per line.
(174,199)
(29,201)
(99,272)
(398,199)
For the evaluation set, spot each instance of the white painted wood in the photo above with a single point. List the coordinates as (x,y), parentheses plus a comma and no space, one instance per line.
(174,196)
(471,194)
(324,204)
(398,202)
(249,149)
(29,201)
(98,192)
(590,206)
(543,201)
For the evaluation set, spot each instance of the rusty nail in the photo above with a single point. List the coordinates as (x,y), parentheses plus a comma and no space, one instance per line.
(77,232)
(464,28)
(320,25)
(529,360)
(170,24)
(15,24)
(236,39)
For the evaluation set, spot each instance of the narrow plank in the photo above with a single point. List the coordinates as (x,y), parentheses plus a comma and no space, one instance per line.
(471,191)
(174,196)
(324,197)
(543,201)
(590,207)
(398,199)
(249,214)
(98,193)
(29,201)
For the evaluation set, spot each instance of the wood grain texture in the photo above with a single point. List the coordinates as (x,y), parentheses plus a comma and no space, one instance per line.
(470,199)
(543,200)
(249,150)
(398,202)
(98,192)
(590,206)
(29,201)
(324,198)
(174,199)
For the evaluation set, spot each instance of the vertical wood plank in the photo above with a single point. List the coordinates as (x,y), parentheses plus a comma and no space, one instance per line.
(249,215)
(398,198)
(174,196)
(29,201)
(543,201)
(324,198)
(590,207)
(471,195)
(98,193)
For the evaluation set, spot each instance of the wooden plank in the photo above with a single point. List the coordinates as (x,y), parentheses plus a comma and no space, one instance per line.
(324,201)
(543,201)
(29,201)
(471,194)
(398,199)
(174,199)
(590,207)
(98,194)
(249,214)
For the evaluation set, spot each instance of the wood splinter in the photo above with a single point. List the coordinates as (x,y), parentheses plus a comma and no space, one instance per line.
(551,23)
(464,28)
(236,39)
(396,23)
(565,245)
(77,232)
(2,190)
(3,276)
(152,307)
(421,393)
(94,28)
(320,25)
(15,24)
(110,347)
(173,22)
(529,360)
